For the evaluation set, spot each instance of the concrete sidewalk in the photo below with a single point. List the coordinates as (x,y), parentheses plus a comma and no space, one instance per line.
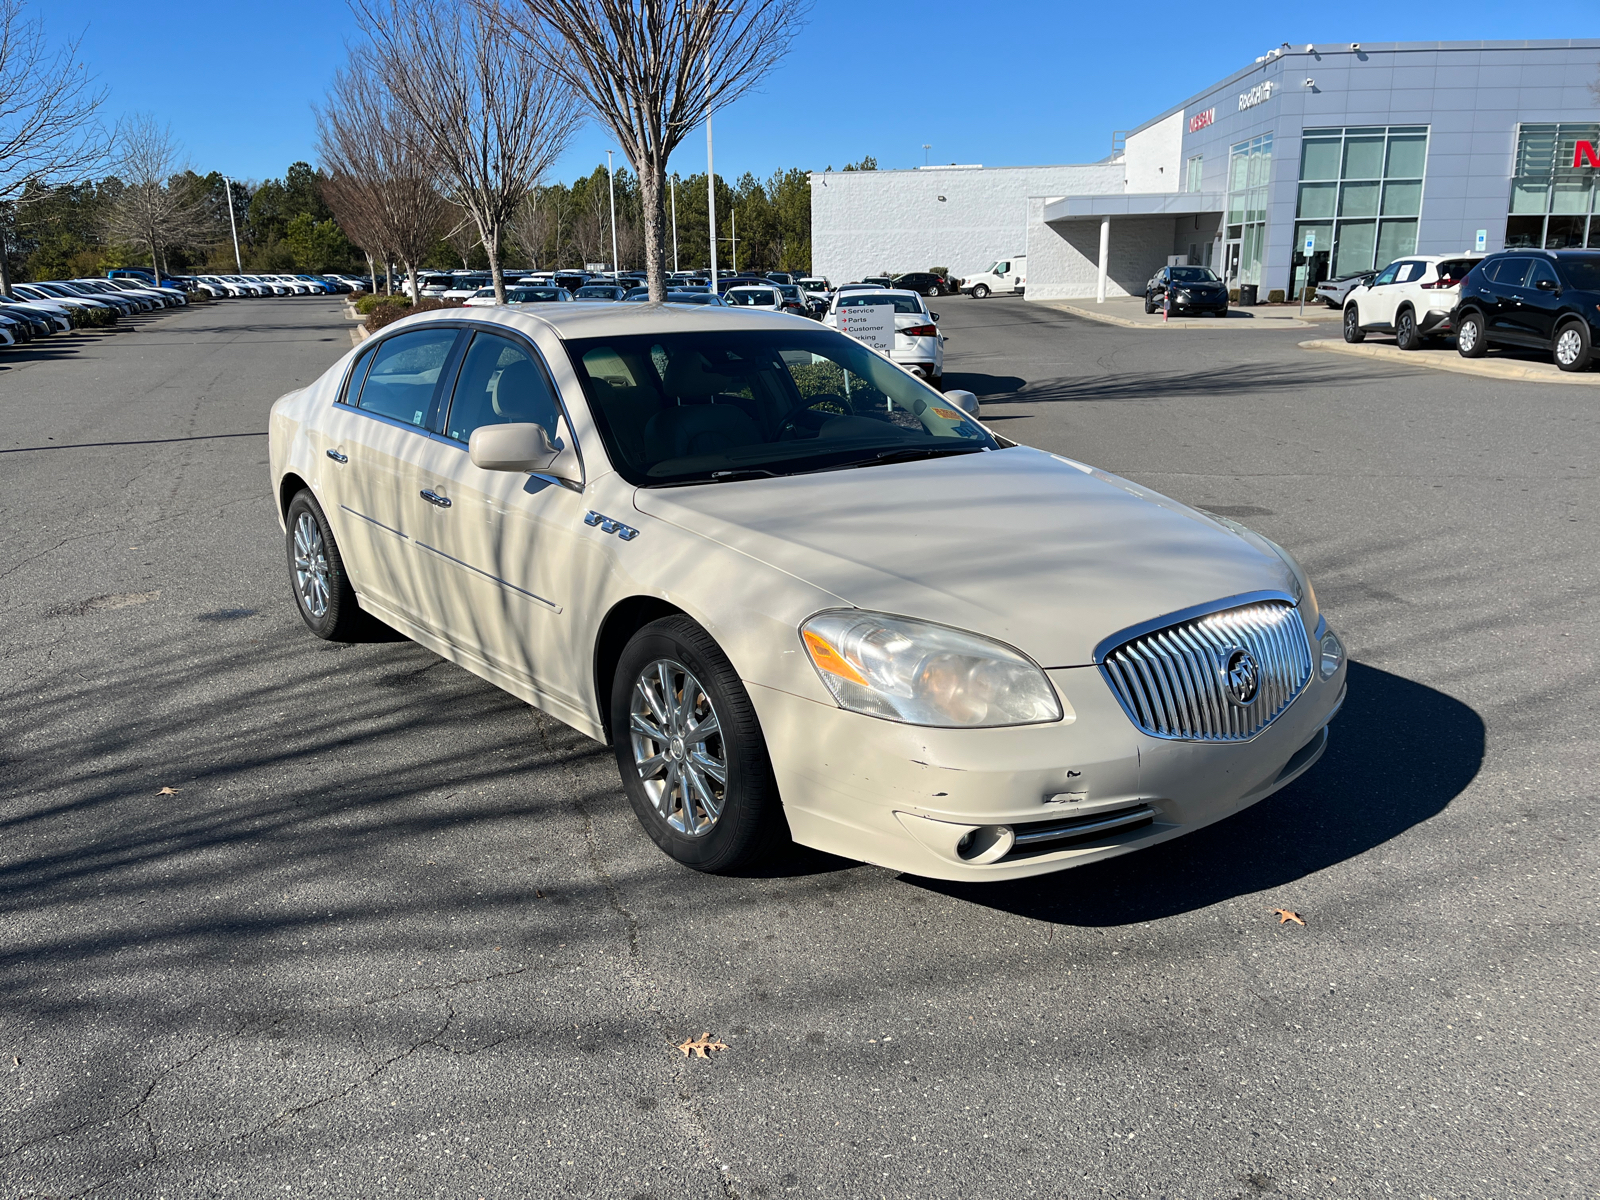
(1128,311)
(1492,366)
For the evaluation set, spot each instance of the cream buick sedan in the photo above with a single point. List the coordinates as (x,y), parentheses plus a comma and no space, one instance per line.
(801,593)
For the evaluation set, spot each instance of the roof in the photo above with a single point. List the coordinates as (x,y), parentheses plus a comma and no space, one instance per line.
(1154,204)
(569,321)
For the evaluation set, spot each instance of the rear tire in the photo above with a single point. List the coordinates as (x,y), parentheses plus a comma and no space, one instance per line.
(671,682)
(322,590)
(1470,341)
(1405,331)
(933,290)
(979,291)
(1353,332)
(1573,348)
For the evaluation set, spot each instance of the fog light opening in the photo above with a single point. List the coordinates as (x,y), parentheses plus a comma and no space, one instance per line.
(986,844)
(1330,655)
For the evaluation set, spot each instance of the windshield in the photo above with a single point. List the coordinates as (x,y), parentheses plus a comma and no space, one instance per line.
(751,297)
(1193,275)
(1582,273)
(700,407)
(902,304)
(533,295)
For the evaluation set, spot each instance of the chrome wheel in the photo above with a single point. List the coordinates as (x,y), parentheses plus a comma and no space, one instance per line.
(678,748)
(1568,346)
(1467,336)
(310,566)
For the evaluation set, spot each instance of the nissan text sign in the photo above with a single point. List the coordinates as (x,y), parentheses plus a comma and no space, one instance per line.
(1584,151)
(1201,119)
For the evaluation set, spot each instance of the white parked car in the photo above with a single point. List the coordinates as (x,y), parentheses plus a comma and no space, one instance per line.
(918,345)
(1006,276)
(1411,298)
(766,299)
(799,592)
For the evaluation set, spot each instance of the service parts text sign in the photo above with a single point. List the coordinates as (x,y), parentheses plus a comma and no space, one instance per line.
(870,323)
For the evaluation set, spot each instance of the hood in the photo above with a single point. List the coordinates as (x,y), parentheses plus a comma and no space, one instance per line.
(1045,554)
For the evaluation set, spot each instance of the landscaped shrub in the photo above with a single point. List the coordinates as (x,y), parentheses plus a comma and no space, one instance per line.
(368,304)
(387,314)
(1275,296)
(93,318)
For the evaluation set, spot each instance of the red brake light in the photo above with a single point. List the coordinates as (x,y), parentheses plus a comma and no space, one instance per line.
(1442,283)
(921,331)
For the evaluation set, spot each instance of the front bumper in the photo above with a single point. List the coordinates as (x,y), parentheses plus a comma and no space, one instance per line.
(905,797)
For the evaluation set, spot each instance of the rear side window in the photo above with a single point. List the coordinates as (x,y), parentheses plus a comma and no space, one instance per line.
(1455,270)
(1582,273)
(404,373)
(1509,271)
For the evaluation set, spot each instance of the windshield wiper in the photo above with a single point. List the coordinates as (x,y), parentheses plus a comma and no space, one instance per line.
(912,453)
(722,477)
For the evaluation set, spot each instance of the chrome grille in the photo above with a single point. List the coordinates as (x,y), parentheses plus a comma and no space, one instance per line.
(1172,682)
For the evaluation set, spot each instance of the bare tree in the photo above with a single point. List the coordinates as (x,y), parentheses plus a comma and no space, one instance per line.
(48,104)
(532,224)
(380,185)
(493,121)
(653,70)
(155,209)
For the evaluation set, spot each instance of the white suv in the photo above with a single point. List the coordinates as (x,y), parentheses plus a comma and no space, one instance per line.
(1411,298)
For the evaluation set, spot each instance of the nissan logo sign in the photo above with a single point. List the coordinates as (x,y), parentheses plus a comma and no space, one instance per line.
(1201,119)
(1582,152)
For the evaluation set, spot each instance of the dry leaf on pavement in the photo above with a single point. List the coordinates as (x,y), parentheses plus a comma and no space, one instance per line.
(700,1045)
(1285,916)
(168,791)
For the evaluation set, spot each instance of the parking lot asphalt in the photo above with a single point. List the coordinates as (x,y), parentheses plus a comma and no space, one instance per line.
(285,917)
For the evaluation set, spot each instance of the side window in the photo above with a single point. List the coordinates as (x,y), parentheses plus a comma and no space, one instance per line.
(352,388)
(405,370)
(1001,268)
(1542,272)
(1386,275)
(1409,272)
(1509,272)
(500,384)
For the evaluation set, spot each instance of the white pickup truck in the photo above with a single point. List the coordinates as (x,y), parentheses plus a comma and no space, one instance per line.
(1008,275)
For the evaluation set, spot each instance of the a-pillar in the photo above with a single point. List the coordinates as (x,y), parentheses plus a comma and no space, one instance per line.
(1105,257)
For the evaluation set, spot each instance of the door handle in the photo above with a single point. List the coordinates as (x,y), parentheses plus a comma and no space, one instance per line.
(337,457)
(435,498)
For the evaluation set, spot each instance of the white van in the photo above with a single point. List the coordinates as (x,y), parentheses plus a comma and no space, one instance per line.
(1007,275)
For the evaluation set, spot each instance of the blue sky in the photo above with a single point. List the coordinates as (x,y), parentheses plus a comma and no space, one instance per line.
(999,82)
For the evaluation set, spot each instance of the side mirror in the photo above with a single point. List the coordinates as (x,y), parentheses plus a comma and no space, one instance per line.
(1548,285)
(522,446)
(934,315)
(964,400)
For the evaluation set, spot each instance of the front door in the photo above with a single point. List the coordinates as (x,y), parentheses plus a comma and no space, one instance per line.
(1503,288)
(1538,302)
(1377,306)
(1230,263)
(511,558)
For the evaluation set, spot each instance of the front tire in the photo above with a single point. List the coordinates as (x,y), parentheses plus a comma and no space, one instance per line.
(1405,331)
(1353,332)
(979,291)
(1470,342)
(1573,347)
(689,746)
(1149,305)
(322,590)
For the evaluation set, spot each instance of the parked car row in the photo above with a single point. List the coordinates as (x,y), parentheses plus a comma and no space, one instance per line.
(48,307)
(1544,300)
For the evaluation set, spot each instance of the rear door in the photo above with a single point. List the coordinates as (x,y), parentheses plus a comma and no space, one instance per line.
(1537,303)
(1376,307)
(1501,296)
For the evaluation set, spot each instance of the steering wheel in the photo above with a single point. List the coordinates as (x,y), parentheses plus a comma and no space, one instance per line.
(828,403)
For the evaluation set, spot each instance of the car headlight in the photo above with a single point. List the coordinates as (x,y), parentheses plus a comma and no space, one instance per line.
(924,674)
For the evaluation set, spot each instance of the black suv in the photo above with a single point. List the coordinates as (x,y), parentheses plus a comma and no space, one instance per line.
(1192,289)
(926,282)
(1542,299)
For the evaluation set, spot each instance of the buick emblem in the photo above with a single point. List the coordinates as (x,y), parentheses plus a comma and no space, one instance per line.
(1241,677)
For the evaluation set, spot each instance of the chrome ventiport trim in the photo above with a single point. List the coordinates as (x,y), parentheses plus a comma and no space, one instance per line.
(609,525)
(1221,677)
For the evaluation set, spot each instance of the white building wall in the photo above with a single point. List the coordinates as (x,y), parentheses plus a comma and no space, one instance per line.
(1153,157)
(887,222)
(1063,258)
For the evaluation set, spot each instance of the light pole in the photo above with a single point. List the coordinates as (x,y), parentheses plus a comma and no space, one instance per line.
(711,173)
(227,187)
(615,266)
(674,186)
(926,146)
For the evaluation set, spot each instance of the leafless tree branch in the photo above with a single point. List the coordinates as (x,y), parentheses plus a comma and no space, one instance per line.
(491,120)
(155,209)
(652,70)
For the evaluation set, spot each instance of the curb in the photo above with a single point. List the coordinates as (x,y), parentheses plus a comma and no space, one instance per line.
(1449,360)
(1276,323)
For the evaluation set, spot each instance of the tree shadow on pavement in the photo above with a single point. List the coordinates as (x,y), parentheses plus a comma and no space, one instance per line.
(1400,752)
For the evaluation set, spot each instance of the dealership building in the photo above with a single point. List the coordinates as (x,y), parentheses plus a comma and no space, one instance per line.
(1361,153)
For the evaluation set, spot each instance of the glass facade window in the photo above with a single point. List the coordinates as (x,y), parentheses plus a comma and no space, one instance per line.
(1360,198)
(1195,164)
(1249,171)
(1552,201)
